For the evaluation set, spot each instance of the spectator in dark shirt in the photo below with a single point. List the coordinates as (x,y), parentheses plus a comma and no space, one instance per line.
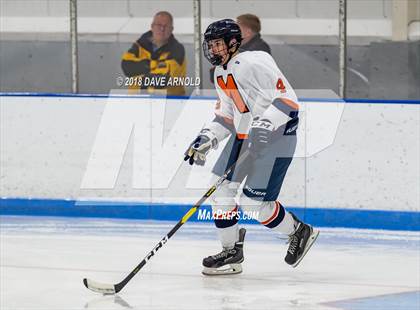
(155,55)
(251,38)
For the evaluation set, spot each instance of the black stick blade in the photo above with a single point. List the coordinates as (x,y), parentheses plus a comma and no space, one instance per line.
(102,288)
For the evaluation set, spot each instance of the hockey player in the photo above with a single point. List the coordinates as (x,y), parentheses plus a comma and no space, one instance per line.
(260,109)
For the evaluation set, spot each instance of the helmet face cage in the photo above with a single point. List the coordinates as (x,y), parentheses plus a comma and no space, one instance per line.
(223,30)
(214,54)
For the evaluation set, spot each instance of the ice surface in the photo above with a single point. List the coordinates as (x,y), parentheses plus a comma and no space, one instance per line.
(43,262)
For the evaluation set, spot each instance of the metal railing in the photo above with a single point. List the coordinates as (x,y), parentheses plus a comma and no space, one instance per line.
(197,45)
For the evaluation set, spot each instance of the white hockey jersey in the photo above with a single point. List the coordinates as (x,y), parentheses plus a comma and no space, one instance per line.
(247,88)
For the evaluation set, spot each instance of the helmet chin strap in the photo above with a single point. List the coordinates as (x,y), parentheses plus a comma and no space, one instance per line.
(230,56)
(217,61)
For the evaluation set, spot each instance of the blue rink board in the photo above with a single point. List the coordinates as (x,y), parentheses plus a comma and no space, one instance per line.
(322,217)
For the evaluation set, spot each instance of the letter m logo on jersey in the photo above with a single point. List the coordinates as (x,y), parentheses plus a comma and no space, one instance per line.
(231,90)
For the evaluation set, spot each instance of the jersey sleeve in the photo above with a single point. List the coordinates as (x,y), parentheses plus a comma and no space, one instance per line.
(284,105)
(222,124)
(224,110)
(282,99)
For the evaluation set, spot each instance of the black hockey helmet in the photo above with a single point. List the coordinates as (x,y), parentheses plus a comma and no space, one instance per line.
(226,29)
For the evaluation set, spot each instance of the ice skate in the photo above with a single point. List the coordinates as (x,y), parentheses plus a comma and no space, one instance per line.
(228,261)
(300,241)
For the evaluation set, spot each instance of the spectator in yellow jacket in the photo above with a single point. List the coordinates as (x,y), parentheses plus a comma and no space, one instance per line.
(156,56)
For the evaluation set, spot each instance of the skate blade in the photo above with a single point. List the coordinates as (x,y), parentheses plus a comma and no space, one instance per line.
(311,240)
(224,270)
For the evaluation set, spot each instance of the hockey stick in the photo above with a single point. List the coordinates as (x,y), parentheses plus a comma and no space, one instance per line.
(110,289)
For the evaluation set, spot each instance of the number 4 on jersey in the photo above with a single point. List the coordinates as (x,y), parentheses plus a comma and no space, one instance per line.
(280,86)
(231,90)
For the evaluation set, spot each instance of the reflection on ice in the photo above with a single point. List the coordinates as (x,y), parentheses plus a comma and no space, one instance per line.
(107,301)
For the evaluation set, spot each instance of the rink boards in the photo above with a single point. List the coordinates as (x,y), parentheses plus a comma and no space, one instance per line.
(98,156)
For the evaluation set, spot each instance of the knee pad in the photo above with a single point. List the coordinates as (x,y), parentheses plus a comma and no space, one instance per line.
(224,197)
(223,204)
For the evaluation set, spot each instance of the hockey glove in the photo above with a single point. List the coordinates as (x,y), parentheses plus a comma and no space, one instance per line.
(260,135)
(200,147)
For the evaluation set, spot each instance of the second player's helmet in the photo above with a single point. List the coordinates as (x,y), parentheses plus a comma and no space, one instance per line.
(226,29)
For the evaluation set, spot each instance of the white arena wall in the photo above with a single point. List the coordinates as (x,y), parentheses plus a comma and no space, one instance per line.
(47,144)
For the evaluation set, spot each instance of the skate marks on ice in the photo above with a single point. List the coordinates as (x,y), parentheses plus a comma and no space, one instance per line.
(42,268)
